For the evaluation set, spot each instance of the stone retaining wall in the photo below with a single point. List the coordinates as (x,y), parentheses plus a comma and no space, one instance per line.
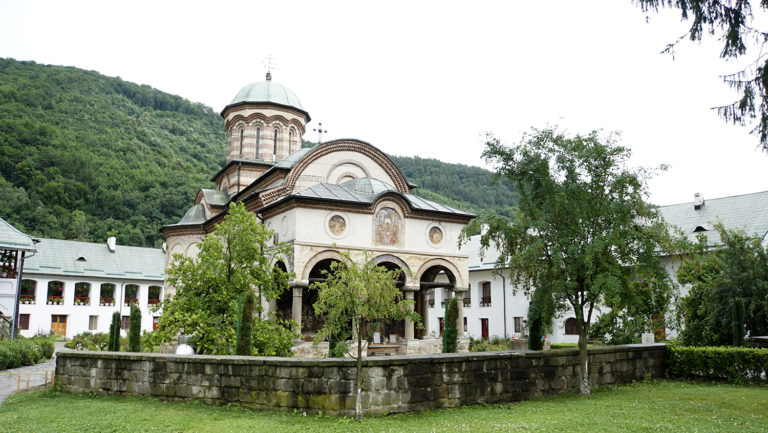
(391,384)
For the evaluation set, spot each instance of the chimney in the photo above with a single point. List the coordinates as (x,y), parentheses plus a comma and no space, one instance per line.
(698,201)
(111,243)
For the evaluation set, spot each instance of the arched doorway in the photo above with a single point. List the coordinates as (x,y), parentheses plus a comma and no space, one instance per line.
(434,277)
(389,328)
(310,323)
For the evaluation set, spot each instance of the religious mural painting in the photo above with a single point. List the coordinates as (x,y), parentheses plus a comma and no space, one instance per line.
(435,235)
(387,227)
(337,225)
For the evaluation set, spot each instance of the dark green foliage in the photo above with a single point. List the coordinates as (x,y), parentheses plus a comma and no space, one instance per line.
(471,189)
(729,290)
(495,344)
(244,324)
(25,351)
(730,364)
(114,333)
(451,334)
(134,330)
(273,337)
(541,311)
(83,155)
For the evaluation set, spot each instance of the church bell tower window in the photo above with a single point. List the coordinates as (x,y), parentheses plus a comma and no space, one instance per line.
(258,139)
(274,145)
(242,133)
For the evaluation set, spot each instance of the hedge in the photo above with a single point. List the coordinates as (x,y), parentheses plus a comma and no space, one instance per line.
(25,351)
(727,364)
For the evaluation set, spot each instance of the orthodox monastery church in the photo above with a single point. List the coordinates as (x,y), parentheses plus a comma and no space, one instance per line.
(339,196)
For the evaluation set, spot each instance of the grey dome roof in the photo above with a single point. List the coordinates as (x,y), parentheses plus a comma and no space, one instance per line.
(267,91)
(368,185)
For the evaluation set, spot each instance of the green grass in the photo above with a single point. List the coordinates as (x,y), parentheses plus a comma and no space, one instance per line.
(641,407)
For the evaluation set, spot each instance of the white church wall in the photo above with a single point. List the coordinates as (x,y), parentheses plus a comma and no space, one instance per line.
(331,168)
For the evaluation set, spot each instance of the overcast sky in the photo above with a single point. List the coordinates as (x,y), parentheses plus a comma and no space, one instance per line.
(427,78)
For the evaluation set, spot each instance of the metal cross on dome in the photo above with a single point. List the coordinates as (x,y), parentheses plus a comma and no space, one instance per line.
(269,65)
(320,132)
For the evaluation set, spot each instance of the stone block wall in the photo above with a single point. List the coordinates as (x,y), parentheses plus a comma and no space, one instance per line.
(391,384)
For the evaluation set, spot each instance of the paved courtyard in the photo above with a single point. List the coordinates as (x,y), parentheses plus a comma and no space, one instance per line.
(37,374)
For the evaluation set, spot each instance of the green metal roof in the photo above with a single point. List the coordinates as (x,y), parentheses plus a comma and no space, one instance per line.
(13,239)
(72,258)
(267,91)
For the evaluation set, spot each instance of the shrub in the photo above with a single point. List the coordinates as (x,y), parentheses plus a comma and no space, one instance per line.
(728,364)
(114,333)
(25,351)
(451,334)
(495,344)
(243,341)
(134,330)
(273,337)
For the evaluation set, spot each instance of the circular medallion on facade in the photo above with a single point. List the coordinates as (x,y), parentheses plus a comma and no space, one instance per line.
(435,235)
(337,225)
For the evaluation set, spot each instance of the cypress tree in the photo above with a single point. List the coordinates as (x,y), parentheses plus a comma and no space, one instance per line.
(134,330)
(738,321)
(114,333)
(244,324)
(451,334)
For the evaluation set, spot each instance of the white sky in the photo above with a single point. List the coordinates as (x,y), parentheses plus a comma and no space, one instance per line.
(427,78)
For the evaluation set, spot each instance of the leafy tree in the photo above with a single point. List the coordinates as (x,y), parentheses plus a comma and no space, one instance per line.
(451,334)
(233,259)
(244,324)
(114,333)
(728,296)
(359,293)
(134,330)
(583,231)
(273,337)
(732,23)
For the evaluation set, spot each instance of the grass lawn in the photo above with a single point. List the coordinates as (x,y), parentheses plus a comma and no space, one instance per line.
(640,407)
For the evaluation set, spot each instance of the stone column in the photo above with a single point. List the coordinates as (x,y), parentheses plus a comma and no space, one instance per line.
(298,291)
(459,292)
(408,322)
(425,309)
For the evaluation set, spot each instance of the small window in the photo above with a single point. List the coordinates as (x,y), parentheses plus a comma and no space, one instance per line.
(107,294)
(258,140)
(485,298)
(242,136)
(23,322)
(518,324)
(125,323)
(93,323)
(441,325)
(154,295)
(55,292)
(28,289)
(155,321)
(131,294)
(290,140)
(82,293)
(274,144)
(465,323)
(571,327)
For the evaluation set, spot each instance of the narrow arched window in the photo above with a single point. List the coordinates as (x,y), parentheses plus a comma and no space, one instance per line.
(242,133)
(571,327)
(258,139)
(274,144)
(290,140)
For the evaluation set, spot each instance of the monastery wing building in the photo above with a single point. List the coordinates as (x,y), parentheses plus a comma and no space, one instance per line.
(339,196)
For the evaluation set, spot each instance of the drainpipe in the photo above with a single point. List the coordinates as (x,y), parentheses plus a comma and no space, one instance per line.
(504,297)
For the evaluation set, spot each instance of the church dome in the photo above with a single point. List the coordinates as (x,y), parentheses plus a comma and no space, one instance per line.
(267,91)
(368,185)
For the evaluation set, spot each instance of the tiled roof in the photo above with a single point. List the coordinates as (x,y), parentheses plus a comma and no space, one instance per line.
(13,239)
(72,258)
(748,212)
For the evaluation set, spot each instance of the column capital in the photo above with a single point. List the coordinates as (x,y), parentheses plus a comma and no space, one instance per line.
(296,284)
(460,289)
(411,288)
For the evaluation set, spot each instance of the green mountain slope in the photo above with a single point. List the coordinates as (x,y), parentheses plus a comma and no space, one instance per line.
(83,155)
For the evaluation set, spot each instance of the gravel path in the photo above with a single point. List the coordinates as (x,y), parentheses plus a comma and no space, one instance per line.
(9,378)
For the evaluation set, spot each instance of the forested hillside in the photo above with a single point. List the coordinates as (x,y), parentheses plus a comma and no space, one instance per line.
(84,156)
